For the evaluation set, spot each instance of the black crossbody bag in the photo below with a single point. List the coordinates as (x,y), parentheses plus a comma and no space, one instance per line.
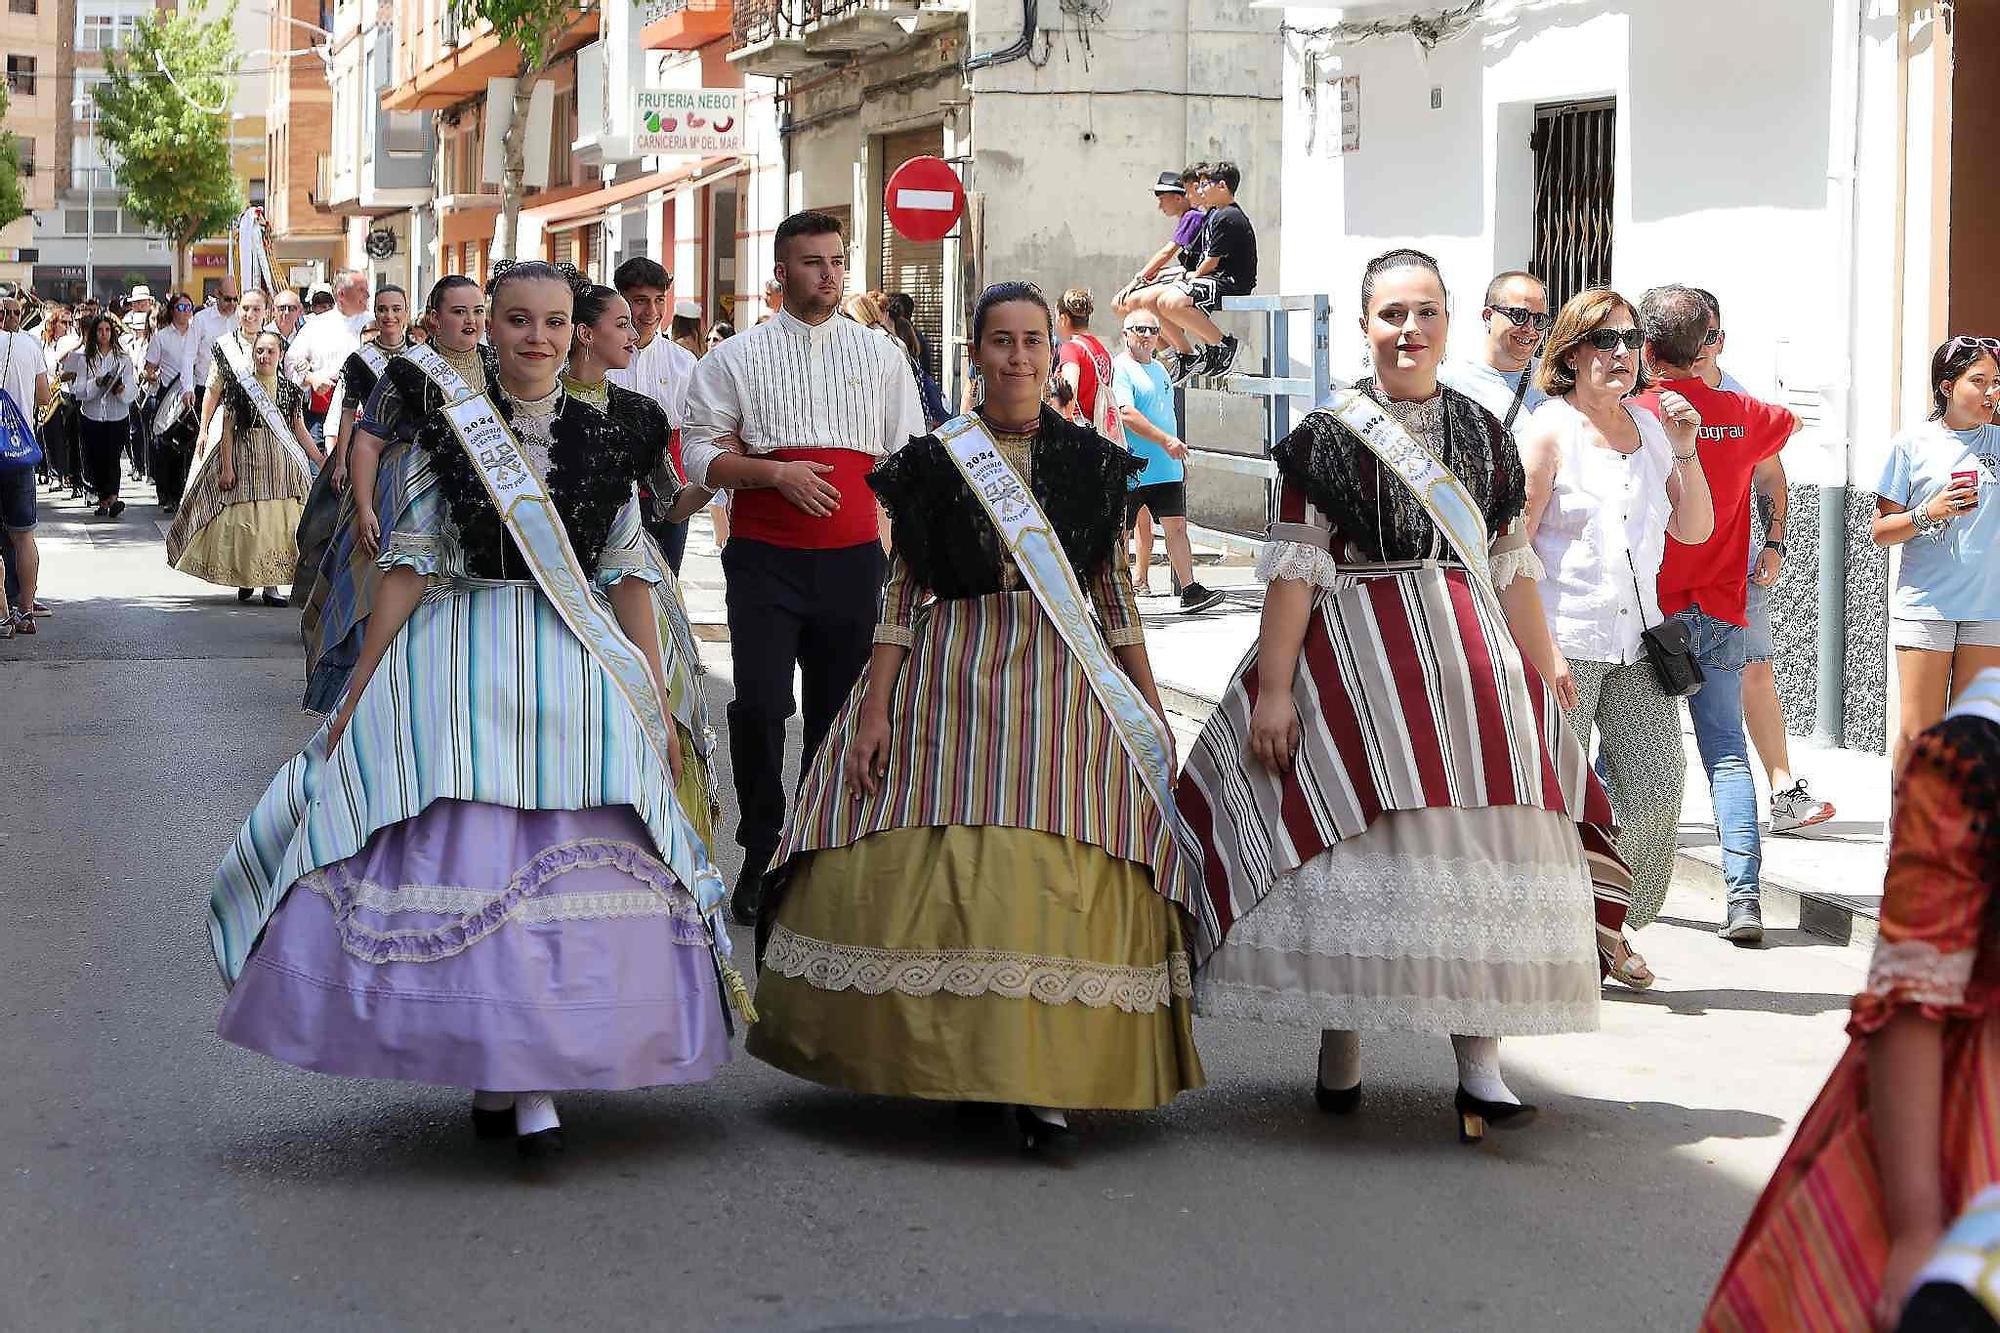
(1666,649)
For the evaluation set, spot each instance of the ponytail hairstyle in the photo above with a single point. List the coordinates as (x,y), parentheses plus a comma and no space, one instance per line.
(1394,259)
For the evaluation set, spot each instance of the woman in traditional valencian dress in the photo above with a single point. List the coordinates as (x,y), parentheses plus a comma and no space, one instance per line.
(1907,1129)
(238,523)
(985,896)
(399,399)
(327,507)
(605,341)
(1401,831)
(477,873)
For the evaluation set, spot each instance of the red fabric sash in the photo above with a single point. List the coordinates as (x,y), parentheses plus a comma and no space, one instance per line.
(765,515)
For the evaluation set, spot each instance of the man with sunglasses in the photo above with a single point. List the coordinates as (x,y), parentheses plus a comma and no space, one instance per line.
(1145,397)
(1516,317)
(210,323)
(1703,586)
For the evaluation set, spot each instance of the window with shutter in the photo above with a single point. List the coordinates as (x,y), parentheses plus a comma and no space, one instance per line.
(914,267)
(1573,146)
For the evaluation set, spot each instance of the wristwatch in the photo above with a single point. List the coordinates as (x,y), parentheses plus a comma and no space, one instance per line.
(1777,546)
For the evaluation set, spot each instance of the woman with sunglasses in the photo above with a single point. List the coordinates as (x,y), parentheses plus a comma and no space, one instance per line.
(1402,834)
(169,413)
(1607,482)
(1934,501)
(60,449)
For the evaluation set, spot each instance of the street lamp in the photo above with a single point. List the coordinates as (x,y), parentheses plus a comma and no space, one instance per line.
(83,107)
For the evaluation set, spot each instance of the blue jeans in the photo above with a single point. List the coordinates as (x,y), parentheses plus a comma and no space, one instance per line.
(1717,712)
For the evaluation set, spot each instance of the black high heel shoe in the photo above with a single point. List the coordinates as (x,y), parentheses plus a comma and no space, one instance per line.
(1037,1133)
(1336,1101)
(1476,1113)
(245,594)
(493,1124)
(540,1145)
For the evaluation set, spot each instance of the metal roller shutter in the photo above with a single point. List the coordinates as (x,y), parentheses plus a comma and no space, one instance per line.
(1573,145)
(910,266)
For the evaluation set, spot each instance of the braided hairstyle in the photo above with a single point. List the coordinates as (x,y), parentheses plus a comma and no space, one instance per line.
(509,271)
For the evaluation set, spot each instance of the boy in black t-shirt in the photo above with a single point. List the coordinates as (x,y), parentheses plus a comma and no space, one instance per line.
(1227,267)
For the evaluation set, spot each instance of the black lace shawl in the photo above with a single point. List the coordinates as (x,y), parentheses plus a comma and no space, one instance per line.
(593,463)
(1343,480)
(358,378)
(290,398)
(402,384)
(952,548)
(643,419)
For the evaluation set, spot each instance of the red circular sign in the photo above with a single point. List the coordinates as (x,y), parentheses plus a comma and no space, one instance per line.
(924,199)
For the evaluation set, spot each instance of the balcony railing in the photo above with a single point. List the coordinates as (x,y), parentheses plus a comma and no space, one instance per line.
(93,178)
(821,28)
(764,20)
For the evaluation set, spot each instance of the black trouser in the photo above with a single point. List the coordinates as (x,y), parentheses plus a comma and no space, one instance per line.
(135,442)
(103,455)
(59,444)
(810,610)
(172,451)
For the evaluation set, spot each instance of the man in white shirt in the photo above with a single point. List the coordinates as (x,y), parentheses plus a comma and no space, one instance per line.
(315,357)
(352,299)
(661,369)
(792,415)
(1501,380)
(210,323)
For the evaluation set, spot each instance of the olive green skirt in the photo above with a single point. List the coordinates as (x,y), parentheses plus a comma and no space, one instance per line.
(981,964)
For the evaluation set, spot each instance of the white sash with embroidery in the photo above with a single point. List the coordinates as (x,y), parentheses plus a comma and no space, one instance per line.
(376,360)
(524,505)
(1025,531)
(237,357)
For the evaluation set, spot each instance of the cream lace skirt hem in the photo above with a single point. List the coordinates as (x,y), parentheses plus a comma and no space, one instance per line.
(1469,921)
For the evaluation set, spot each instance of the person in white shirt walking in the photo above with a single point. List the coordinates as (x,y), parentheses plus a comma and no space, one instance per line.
(1606,483)
(209,325)
(165,374)
(105,384)
(792,416)
(1502,378)
(315,358)
(661,369)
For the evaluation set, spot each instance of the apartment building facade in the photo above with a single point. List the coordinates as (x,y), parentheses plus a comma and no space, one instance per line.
(30,36)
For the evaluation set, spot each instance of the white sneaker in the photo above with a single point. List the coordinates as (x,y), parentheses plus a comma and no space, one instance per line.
(1794,809)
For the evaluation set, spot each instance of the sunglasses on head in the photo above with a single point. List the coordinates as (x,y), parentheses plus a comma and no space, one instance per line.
(1521,318)
(1605,340)
(1965,340)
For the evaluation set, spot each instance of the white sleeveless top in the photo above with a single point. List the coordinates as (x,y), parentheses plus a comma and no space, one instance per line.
(1605,507)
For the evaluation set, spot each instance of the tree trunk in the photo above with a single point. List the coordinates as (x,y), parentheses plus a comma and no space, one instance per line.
(513,165)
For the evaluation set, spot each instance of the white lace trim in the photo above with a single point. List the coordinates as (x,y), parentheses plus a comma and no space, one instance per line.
(1349,903)
(972,972)
(451,900)
(1374,1013)
(1296,560)
(1521,562)
(1917,972)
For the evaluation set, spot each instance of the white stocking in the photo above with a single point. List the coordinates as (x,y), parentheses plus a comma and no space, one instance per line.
(534,1112)
(1479,1069)
(1049,1116)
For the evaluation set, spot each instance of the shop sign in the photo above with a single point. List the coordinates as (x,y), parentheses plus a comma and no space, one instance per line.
(694,122)
(211,259)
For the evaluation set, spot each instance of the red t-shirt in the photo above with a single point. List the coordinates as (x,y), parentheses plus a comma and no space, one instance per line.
(1737,433)
(1093,372)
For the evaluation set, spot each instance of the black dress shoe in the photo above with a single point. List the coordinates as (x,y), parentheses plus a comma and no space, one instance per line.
(1476,1113)
(540,1145)
(245,594)
(749,893)
(1336,1101)
(272,599)
(493,1124)
(1039,1135)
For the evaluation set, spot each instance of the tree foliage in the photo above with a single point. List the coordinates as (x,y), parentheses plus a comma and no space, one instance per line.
(535,28)
(13,204)
(163,113)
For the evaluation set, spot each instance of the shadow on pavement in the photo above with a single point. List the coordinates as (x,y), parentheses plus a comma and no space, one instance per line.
(1795,1004)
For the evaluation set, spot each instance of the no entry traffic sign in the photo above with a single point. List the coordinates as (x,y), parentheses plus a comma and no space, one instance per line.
(924,199)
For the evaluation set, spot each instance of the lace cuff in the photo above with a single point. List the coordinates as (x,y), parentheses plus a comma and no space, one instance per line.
(1296,560)
(428,553)
(1126,636)
(1912,973)
(902,636)
(1521,562)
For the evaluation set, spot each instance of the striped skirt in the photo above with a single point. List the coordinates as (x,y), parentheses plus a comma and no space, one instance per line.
(486,696)
(1411,696)
(995,725)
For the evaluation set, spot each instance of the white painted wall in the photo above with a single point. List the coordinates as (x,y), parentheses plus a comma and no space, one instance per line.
(1725,176)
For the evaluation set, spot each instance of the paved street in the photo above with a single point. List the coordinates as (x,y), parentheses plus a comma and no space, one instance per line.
(155,1177)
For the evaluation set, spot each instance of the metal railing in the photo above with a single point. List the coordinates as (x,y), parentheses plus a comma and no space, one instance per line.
(757,21)
(652,11)
(1279,390)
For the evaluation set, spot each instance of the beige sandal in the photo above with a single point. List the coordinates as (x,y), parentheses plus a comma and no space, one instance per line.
(1628,967)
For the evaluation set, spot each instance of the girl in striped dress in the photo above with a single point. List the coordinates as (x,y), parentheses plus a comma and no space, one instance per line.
(981,902)
(1401,831)
(1907,1130)
(466,878)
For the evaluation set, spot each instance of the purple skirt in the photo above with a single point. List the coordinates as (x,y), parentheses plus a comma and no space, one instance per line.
(482,946)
